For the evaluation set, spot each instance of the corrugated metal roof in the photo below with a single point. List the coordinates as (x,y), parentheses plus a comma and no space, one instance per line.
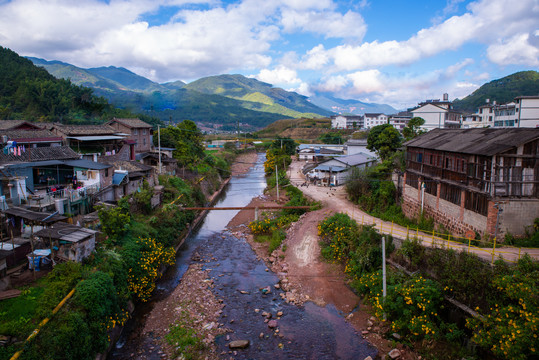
(95,138)
(117,178)
(485,141)
(330,168)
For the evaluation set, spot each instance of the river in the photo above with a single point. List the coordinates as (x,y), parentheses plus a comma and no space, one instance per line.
(307,332)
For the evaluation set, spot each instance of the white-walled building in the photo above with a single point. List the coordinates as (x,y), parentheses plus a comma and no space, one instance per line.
(527,111)
(372,120)
(438,114)
(347,122)
(523,112)
(400,120)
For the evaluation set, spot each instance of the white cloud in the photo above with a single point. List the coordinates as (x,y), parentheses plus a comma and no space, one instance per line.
(279,75)
(328,23)
(519,49)
(365,82)
(400,91)
(486,22)
(315,59)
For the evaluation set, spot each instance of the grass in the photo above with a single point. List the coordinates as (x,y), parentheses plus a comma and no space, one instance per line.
(184,339)
(17,313)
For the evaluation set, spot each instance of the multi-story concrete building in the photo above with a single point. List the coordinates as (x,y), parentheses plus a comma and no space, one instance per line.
(484,180)
(372,120)
(437,114)
(347,122)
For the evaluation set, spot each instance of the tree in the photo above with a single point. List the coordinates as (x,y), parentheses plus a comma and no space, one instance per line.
(384,139)
(186,138)
(413,128)
(287,145)
(331,138)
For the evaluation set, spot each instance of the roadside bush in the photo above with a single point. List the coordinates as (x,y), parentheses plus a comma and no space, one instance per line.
(358,248)
(510,329)
(413,306)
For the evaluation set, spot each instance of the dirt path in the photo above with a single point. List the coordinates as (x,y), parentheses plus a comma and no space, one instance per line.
(335,199)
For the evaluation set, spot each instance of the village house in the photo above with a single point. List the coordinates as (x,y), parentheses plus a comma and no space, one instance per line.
(355,146)
(20,140)
(372,120)
(136,130)
(400,120)
(69,242)
(523,112)
(480,180)
(98,139)
(335,172)
(51,178)
(437,114)
(347,122)
(6,125)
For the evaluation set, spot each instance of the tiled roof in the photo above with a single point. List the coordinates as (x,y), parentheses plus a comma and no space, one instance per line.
(11,124)
(132,123)
(30,134)
(484,141)
(74,130)
(130,166)
(40,154)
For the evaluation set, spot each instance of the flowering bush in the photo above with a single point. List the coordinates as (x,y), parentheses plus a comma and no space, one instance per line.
(510,330)
(146,256)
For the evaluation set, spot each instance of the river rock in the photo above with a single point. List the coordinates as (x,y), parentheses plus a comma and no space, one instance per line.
(368,358)
(272,324)
(266,314)
(396,336)
(238,344)
(279,313)
(277,286)
(394,354)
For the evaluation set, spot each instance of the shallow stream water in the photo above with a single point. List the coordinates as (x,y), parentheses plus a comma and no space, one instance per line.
(308,332)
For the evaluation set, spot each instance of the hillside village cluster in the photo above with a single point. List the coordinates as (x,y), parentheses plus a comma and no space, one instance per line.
(523,112)
(474,174)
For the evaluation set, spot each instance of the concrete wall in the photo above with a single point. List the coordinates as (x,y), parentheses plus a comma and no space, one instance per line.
(517,214)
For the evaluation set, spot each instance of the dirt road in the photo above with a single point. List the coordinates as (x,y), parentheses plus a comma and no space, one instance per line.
(335,199)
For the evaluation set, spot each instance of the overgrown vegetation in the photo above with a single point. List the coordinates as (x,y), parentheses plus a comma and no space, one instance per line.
(505,296)
(137,242)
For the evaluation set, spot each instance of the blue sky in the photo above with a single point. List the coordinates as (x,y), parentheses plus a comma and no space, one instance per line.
(394,52)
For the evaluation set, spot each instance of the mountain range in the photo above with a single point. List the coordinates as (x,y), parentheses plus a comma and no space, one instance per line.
(223,101)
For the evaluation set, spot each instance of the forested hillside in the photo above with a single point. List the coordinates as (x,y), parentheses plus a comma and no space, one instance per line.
(504,90)
(29,92)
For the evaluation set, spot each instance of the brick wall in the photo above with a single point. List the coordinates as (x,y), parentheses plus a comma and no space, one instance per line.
(442,212)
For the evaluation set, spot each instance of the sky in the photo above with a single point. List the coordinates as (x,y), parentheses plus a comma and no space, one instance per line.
(396,52)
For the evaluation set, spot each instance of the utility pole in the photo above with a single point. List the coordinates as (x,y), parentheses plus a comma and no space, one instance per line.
(159,146)
(384,289)
(277,181)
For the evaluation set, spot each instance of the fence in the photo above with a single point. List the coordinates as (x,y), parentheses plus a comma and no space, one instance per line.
(490,250)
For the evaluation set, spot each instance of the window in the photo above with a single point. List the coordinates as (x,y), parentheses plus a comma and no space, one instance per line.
(135,132)
(450,193)
(412,180)
(143,131)
(106,172)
